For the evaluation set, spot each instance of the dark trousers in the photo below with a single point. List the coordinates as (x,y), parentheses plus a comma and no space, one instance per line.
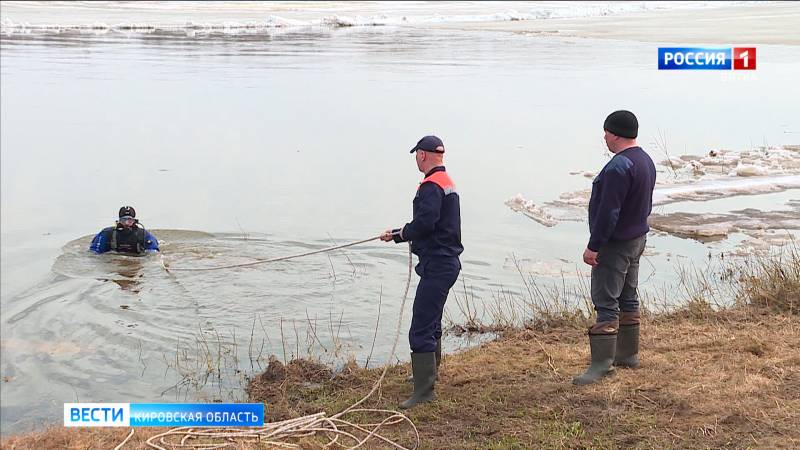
(616,277)
(437,276)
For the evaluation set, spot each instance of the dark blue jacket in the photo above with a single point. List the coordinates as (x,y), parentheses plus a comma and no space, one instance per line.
(436,227)
(622,198)
(102,241)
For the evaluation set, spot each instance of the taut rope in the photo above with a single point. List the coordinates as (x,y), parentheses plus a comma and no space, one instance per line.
(270,260)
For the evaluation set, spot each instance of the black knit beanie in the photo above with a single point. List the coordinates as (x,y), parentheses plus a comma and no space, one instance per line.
(622,123)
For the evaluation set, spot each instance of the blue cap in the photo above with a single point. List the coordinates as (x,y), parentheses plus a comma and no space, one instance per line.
(429,144)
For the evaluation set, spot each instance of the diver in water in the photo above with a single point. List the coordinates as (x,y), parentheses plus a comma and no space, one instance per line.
(127,236)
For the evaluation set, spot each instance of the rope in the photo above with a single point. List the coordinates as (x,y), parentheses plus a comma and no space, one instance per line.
(394,345)
(126,440)
(276,433)
(264,261)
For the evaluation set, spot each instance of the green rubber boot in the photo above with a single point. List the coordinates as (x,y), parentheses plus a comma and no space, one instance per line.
(410,379)
(627,354)
(423,366)
(603,347)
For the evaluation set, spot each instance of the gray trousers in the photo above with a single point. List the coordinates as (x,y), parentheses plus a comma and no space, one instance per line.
(615,279)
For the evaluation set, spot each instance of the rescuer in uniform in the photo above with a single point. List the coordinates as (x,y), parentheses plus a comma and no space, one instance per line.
(435,237)
(126,236)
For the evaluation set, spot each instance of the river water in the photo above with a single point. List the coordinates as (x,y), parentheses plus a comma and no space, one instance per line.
(236,145)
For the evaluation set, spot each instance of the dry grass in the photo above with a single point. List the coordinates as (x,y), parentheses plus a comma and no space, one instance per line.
(773,283)
(733,382)
(539,307)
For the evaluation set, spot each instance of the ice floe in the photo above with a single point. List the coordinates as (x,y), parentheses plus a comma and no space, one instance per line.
(718,174)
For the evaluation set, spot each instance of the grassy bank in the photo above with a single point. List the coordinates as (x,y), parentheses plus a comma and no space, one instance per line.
(711,377)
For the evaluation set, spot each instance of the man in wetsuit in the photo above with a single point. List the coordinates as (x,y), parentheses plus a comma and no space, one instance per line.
(127,236)
(435,236)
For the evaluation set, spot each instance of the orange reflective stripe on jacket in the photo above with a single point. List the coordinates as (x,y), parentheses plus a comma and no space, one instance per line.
(442,179)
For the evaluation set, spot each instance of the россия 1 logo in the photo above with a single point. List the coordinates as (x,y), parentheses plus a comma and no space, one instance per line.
(700,58)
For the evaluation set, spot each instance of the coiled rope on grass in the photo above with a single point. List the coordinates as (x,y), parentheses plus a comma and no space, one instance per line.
(338,430)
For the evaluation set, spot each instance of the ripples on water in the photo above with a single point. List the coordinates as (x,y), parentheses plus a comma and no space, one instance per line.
(119,327)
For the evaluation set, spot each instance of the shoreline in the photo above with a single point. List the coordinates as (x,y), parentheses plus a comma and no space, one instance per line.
(730,25)
(725,24)
(709,380)
(712,376)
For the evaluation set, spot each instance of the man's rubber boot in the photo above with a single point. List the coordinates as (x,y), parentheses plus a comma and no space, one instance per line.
(423,368)
(628,340)
(410,379)
(627,354)
(603,347)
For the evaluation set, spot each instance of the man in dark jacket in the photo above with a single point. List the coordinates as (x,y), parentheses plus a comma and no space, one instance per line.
(621,201)
(435,236)
(127,236)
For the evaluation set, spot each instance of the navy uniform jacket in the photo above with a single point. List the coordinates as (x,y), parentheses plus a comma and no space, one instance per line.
(622,198)
(436,227)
